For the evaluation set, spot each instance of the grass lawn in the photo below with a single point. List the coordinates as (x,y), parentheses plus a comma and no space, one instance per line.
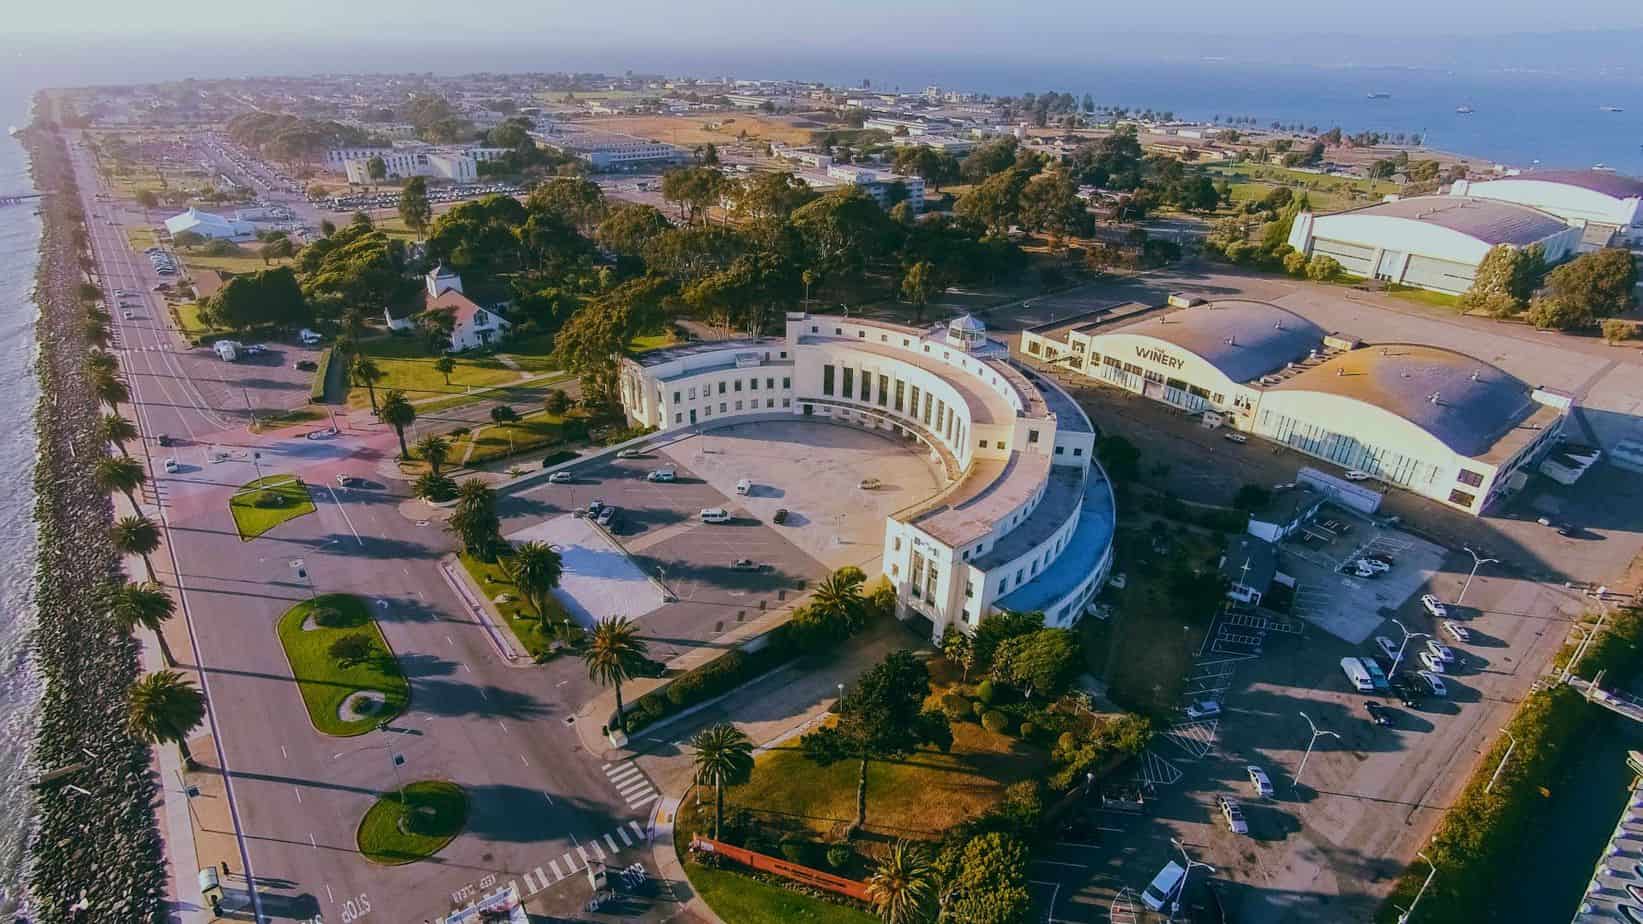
(437,811)
(492,580)
(273,420)
(649,342)
(1326,193)
(1425,297)
(407,365)
(922,796)
(193,326)
(498,441)
(520,394)
(323,682)
(258,511)
(245,261)
(141,238)
(735,897)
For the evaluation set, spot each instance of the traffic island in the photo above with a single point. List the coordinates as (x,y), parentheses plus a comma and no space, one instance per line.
(260,505)
(348,676)
(412,824)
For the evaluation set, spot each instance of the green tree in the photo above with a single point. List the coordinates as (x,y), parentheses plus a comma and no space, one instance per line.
(881,718)
(918,284)
(557,402)
(414,209)
(722,755)
(436,327)
(902,885)
(399,413)
(1120,457)
(280,248)
(773,195)
(629,227)
(615,653)
(445,365)
(368,373)
(117,430)
(998,627)
(1553,312)
(1498,289)
(433,487)
(535,569)
(1040,662)
(165,707)
(376,168)
(265,298)
(577,202)
(1322,268)
(137,535)
(1616,330)
(1595,285)
(996,201)
(187,240)
(146,605)
(984,879)
(693,189)
(474,521)
(351,649)
(434,450)
(120,473)
(960,649)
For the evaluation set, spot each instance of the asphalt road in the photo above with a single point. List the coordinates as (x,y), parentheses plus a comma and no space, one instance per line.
(537,801)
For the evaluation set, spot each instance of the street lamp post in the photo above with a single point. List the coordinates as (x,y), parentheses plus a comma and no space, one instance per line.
(1175,906)
(1404,916)
(303,575)
(394,760)
(1316,734)
(1407,635)
(1503,758)
(1477,562)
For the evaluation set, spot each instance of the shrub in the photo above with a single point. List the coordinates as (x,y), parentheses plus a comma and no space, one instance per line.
(977,708)
(350,649)
(1027,729)
(329,617)
(995,721)
(840,855)
(985,692)
(1295,263)
(956,706)
(269,499)
(1066,742)
(503,414)
(799,850)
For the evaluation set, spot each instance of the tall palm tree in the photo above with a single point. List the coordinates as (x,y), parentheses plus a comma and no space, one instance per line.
(97,332)
(101,363)
(110,390)
(902,884)
(117,430)
(166,707)
(120,473)
(434,450)
(535,569)
(723,757)
(839,597)
(399,414)
(615,653)
(146,605)
(367,373)
(137,535)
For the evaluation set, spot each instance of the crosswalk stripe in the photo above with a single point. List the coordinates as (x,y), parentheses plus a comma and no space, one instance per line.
(514,884)
(557,875)
(628,775)
(599,854)
(612,843)
(636,829)
(584,852)
(624,835)
(570,862)
(530,887)
(635,787)
(638,803)
(541,877)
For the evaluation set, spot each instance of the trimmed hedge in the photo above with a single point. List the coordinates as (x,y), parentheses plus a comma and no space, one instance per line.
(316,391)
(720,675)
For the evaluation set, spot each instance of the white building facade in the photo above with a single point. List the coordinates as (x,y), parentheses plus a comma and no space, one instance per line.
(1607,205)
(1026,519)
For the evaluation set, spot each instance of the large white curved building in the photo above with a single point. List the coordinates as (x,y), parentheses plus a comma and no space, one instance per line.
(1431,242)
(1607,206)
(1025,520)
(1436,422)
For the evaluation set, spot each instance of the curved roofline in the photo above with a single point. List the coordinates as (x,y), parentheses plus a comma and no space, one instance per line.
(1452,202)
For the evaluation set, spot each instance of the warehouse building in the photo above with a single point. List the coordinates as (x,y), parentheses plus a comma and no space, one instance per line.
(1431,242)
(1433,421)
(1026,518)
(1607,206)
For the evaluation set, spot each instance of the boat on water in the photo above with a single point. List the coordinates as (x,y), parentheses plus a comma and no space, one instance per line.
(13,131)
(1379,94)
(1464,110)
(1611,109)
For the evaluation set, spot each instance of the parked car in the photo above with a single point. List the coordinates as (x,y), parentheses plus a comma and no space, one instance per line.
(1233,437)
(1457,631)
(1233,813)
(164,439)
(560,478)
(1203,709)
(1433,662)
(344,480)
(869,484)
(306,365)
(1374,564)
(1259,779)
(1434,683)
(1387,645)
(714,515)
(1382,557)
(1568,530)
(1435,607)
(744,564)
(744,486)
(1163,886)
(662,474)
(780,517)
(607,516)
(1378,714)
(1441,651)
(631,454)
(128,315)
(1406,691)
(595,505)
(1356,475)
(172,467)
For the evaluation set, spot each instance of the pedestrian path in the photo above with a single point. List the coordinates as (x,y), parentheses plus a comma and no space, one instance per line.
(631,784)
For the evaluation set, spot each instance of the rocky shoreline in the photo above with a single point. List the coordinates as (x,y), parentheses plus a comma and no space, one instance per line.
(94,852)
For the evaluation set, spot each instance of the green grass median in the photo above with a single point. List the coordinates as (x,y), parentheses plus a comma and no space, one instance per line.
(350,695)
(260,505)
(397,830)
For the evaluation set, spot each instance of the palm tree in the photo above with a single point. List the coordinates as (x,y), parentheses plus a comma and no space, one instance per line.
(117,430)
(535,569)
(111,391)
(367,373)
(119,473)
(434,450)
(615,653)
(902,884)
(166,707)
(839,597)
(137,535)
(97,332)
(145,605)
(399,414)
(445,365)
(724,757)
(101,363)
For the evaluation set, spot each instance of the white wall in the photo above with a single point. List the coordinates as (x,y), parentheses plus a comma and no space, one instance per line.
(1571,203)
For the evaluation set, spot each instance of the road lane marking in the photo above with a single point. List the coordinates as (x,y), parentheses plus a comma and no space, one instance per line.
(283,754)
(636,829)
(328,896)
(313,843)
(467,668)
(612,843)
(641,803)
(299,794)
(448,641)
(338,501)
(524,761)
(624,835)
(584,852)
(503,726)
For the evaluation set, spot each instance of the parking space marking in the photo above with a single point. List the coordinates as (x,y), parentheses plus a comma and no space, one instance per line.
(1156,771)
(1196,738)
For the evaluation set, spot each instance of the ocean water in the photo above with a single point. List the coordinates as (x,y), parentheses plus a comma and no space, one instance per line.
(19,242)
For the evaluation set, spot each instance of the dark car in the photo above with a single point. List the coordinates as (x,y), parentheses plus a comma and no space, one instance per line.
(164,439)
(1568,531)
(780,517)
(1378,714)
(1406,692)
(307,365)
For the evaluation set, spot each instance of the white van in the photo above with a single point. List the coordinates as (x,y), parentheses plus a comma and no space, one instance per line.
(744,486)
(1163,886)
(1358,675)
(714,515)
(309,337)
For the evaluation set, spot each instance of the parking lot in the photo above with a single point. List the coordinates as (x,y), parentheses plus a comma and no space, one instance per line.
(810,469)
(1346,605)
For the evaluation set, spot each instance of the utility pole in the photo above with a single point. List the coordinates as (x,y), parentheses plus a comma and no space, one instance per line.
(1181,890)
(1316,734)
(1403,918)
(1503,758)
(1407,635)
(1477,563)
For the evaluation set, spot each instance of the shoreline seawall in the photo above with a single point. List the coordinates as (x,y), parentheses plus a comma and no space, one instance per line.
(95,845)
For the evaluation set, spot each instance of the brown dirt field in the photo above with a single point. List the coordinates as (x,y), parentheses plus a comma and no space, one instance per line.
(691,130)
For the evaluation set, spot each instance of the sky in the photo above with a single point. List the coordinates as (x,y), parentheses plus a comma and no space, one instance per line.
(1059,27)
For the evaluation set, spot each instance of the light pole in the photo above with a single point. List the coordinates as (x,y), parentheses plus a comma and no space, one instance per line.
(1404,916)
(1175,906)
(1316,734)
(1503,758)
(1407,635)
(1477,562)
(303,575)
(394,760)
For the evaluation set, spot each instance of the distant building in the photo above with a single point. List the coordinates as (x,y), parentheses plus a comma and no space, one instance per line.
(209,225)
(1607,206)
(1432,242)
(878,184)
(615,152)
(440,280)
(456,165)
(1248,565)
(476,327)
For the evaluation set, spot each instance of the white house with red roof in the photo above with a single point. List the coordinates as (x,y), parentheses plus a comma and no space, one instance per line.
(475,326)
